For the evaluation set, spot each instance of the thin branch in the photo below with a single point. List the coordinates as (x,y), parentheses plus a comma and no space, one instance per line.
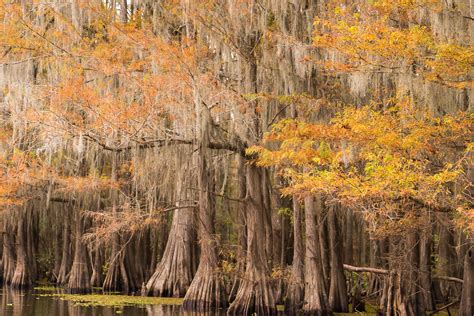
(365,269)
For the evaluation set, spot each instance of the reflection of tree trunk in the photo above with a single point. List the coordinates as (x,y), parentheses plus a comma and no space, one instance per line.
(316,301)
(255,294)
(467,297)
(295,291)
(338,289)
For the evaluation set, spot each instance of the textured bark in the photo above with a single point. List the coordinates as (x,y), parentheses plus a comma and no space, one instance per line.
(268,224)
(316,300)
(278,240)
(116,279)
(241,230)
(97,277)
(79,279)
(206,291)
(448,259)
(427,297)
(175,272)
(295,291)
(402,295)
(23,276)
(57,246)
(65,267)
(467,297)
(323,234)
(9,254)
(338,301)
(255,294)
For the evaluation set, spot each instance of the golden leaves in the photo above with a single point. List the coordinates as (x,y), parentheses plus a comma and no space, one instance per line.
(384,36)
(374,157)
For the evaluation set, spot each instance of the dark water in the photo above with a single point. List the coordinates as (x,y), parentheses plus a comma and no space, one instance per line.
(34,303)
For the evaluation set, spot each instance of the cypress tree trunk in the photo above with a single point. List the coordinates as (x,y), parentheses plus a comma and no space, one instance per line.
(448,259)
(116,279)
(174,273)
(427,296)
(65,267)
(57,244)
(206,291)
(241,230)
(324,251)
(79,279)
(295,291)
(278,240)
(402,295)
(255,294)
(338,301)
(316,300)
(467,297)
(22,277)
(97,277)
(9,254)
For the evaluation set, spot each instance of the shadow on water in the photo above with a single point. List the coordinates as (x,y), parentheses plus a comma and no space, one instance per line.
(32,302)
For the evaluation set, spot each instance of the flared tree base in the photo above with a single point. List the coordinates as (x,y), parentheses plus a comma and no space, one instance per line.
(254,296)
(206,292)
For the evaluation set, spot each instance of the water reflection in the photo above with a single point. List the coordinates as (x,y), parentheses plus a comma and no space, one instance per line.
(15,303)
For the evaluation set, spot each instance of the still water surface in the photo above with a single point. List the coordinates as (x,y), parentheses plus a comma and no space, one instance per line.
(35,303)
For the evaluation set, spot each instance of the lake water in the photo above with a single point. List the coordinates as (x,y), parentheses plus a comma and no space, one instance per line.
(35,303)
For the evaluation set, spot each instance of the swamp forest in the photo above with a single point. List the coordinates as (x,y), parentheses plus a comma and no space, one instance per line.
(240,157)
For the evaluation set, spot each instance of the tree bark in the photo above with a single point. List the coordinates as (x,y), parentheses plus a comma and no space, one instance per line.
(9,254)
(175,272)
(65,268)
(22,277)
(79,279)
(338,301)
(97,277)
(206,291)
(316,300)
(402,295)
(427,298)
(255,294)
(295,291)
(448,259)
(467,297)
(241,230)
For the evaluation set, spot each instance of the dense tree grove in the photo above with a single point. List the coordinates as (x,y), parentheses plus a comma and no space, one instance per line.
(241,154)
